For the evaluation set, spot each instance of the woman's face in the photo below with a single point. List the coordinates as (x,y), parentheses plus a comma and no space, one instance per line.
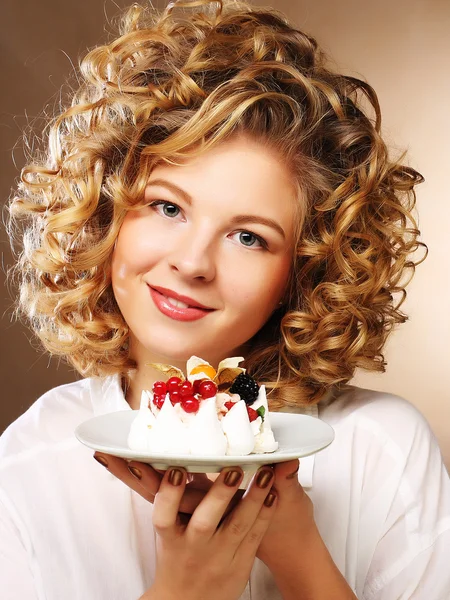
(201,267)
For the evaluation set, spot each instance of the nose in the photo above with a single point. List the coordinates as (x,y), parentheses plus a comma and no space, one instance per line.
(194,257)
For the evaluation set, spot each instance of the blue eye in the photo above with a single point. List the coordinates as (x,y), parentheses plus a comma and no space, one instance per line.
(250,240)
(168,209)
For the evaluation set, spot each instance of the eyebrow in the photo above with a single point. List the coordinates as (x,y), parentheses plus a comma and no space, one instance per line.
(238,220)
(172,187)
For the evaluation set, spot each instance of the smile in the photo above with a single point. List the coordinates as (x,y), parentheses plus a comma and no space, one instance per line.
(176,306)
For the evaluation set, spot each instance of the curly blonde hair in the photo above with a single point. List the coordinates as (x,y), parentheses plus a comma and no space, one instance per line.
(170,86)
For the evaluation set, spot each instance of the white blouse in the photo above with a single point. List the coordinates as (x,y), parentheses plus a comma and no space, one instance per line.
(69,529)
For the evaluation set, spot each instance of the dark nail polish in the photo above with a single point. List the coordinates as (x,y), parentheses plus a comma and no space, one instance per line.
(135,472)
(270,499)
(292,475)
(264,478)
(231,478)
(101,460)
(175,477)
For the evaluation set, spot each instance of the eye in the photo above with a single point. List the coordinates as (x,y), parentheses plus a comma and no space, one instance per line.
(250,240)
(168,209)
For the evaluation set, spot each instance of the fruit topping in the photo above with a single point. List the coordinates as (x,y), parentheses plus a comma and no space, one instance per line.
(252,414)
(190,404)
(246,387)
(207,369)
(159,388)
(207,389)
(186,388)
(261,412)
(175,396)
(173,384)
(229,405)
(158,401)
(196,386)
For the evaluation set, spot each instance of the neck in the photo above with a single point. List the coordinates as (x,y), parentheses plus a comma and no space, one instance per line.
(144,376)
(137,381)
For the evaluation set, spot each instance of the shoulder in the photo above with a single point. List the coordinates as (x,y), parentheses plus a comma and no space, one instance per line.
(387,417)
(396,471)
(388,442)
(50,419)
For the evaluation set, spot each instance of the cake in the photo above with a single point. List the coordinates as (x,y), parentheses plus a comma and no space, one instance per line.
(205,413)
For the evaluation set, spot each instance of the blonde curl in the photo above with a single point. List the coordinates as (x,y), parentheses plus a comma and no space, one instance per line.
(171,85)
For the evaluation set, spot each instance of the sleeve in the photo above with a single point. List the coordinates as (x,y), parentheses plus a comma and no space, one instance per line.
(427,575)
(411,558)
(16,579)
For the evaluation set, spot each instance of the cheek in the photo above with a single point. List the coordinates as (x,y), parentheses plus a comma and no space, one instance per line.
(260,289)
(135,252)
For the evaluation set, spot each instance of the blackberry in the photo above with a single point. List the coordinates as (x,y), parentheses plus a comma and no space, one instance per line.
(246,387)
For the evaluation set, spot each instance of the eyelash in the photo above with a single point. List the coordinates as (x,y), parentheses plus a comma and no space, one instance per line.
(162,203)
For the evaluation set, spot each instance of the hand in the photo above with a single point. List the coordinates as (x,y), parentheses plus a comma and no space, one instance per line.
(292,547)
(293,523)
(210,557)
(145,480)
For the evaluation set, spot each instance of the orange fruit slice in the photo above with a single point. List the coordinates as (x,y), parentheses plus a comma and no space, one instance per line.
(208,370)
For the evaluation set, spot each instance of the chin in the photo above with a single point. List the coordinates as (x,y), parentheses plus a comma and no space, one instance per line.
(176,354)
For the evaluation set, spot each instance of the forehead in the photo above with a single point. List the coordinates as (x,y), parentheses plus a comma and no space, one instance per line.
(238,174)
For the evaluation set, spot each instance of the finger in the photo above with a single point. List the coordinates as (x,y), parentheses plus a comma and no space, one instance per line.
(133,479)
(145,480)
(287,470)
(210,511)
(150,479)
(251,542)
(243,517)
(166,508)
(199,480)
(286,478)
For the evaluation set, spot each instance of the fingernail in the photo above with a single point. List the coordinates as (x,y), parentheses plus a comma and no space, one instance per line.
(135,472)
(231,478)
(292,475)
(175,477)
(264,478)
(270,499)
(101,460)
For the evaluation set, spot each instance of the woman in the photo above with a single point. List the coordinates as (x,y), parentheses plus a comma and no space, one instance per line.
(215,189)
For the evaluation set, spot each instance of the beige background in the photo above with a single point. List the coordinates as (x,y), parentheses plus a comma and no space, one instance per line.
(402,48)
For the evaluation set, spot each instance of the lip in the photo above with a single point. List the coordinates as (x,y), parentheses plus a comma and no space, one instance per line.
(193,312)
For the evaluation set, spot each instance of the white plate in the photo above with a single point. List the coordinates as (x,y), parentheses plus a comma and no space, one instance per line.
(297,435)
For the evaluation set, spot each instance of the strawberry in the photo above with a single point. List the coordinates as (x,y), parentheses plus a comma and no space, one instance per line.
(252,414)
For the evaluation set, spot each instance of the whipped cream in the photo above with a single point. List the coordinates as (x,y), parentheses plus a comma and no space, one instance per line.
(238,429)
(206,434)
(264,438)
(216,429)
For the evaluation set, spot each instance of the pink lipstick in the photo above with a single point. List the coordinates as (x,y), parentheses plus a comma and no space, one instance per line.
(176,306)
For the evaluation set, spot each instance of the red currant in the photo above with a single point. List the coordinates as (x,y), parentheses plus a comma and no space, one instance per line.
(159,387)
(186,388)
(196,386)
(207,389)
(252,414)
(173,384)
(229,404)
(175,396)
(158,401)
(190,404)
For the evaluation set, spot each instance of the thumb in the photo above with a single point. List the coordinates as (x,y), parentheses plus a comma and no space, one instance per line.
(286,475)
